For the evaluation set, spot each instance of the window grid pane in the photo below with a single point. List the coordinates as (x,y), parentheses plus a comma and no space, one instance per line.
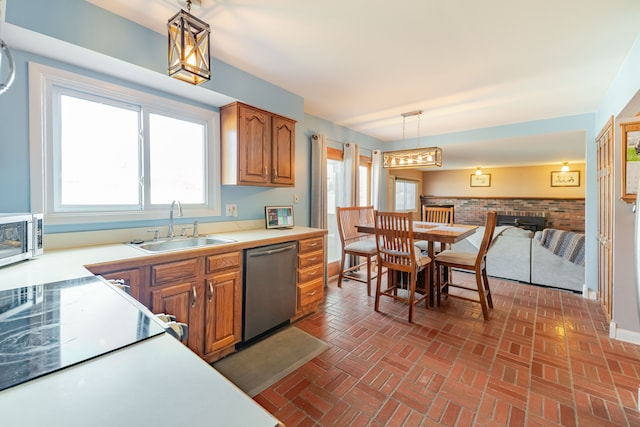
(177,160)
(99,154)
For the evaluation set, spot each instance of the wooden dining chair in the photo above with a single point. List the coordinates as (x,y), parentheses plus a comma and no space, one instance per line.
(362,246)
(437,214)
(468,261)
(403,261)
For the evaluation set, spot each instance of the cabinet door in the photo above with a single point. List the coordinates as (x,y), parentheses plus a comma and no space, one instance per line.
(223,312)
(253,145)
(183,300)
(283,142)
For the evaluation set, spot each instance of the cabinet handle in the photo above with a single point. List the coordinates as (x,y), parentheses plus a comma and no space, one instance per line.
(210,290)
(275,172)
(264,172)
(313,259)
(312,273)
(194,294)
(313,245)
(311,293)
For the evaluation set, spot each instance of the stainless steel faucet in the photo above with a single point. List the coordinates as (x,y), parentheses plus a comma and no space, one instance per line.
(170,231)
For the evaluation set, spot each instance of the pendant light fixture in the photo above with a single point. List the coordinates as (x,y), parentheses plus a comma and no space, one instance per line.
(188,55)
(412,158)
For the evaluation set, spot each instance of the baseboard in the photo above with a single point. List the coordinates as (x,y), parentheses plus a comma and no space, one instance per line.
(589,294)
(632,337)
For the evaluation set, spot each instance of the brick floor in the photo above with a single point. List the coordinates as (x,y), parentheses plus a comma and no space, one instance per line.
(544,359)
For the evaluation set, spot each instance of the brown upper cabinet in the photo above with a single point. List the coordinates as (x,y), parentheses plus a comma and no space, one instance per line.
(258,147)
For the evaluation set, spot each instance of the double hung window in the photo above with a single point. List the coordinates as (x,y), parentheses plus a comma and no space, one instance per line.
(113,153)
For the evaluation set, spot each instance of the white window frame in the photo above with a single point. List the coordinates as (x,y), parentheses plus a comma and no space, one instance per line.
(43,79)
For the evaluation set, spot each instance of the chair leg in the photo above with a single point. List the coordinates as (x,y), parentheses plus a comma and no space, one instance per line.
(376,305)
(369,266)
(485,279)
(428,280)
(412,294)
(436,286)
(341,274)
(481,294)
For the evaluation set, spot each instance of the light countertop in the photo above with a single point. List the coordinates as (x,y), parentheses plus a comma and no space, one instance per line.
(158,381)
(63,264)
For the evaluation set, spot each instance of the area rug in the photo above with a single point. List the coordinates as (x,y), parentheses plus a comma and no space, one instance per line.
(255,368)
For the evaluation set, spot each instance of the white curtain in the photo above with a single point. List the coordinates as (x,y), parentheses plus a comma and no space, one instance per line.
(376,179)
(319,207)
(351,160)
(319,181)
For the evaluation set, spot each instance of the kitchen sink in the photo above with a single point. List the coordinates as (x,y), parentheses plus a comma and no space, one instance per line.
(181,243)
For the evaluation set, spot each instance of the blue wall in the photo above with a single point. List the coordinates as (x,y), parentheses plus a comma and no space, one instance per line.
(82,24)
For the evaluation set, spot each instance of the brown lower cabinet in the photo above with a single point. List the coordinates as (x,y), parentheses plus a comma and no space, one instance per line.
(205,291)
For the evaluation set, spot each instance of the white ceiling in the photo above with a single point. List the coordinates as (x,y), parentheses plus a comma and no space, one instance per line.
(468,64)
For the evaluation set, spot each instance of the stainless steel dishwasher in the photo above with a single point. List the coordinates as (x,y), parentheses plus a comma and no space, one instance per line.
(269,288)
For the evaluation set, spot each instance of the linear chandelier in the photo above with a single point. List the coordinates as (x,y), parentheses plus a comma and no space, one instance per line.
(189,58)
(412,158)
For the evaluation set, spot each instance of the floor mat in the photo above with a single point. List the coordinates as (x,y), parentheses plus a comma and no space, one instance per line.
(257,367)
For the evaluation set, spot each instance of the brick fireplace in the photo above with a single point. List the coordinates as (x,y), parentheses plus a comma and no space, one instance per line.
(562,214)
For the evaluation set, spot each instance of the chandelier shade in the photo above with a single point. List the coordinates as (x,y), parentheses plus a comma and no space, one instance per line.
(188,55)
(412,158)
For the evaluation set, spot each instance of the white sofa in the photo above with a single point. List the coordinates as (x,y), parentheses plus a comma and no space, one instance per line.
(515,254)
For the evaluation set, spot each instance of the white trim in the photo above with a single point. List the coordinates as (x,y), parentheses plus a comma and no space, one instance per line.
(589,294)
(632,337)
(41,81)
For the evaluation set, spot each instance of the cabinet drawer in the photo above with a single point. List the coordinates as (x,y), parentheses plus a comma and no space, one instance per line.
(311,245)
(310,293)
(312,258)
(311,273)
(171,271)
(223,261)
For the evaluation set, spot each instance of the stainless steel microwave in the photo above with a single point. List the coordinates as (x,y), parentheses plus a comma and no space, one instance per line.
(21,237)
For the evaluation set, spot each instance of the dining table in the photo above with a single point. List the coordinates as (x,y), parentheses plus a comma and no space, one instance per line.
(432,232)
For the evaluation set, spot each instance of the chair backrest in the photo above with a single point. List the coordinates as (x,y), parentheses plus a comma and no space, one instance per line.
(489,228)
(394,238)
(437,214)
(348,218)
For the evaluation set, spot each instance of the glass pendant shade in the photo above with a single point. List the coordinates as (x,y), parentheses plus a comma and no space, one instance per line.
(189,58)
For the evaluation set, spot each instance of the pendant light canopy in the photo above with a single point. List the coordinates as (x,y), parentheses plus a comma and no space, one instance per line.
(189,58)
(412,158)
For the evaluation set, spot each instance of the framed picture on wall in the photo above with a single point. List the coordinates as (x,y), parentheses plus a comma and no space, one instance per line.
(630,160)
(483,180)
(565,179)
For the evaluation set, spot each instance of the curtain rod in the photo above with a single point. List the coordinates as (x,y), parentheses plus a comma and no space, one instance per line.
(348,142)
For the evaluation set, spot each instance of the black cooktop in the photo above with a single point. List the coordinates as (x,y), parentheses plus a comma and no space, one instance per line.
(45,328)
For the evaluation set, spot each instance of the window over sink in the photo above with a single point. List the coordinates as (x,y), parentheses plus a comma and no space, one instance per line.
(111,153)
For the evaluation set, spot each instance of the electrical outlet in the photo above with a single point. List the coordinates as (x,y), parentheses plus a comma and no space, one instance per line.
(231,210)
(296,198)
